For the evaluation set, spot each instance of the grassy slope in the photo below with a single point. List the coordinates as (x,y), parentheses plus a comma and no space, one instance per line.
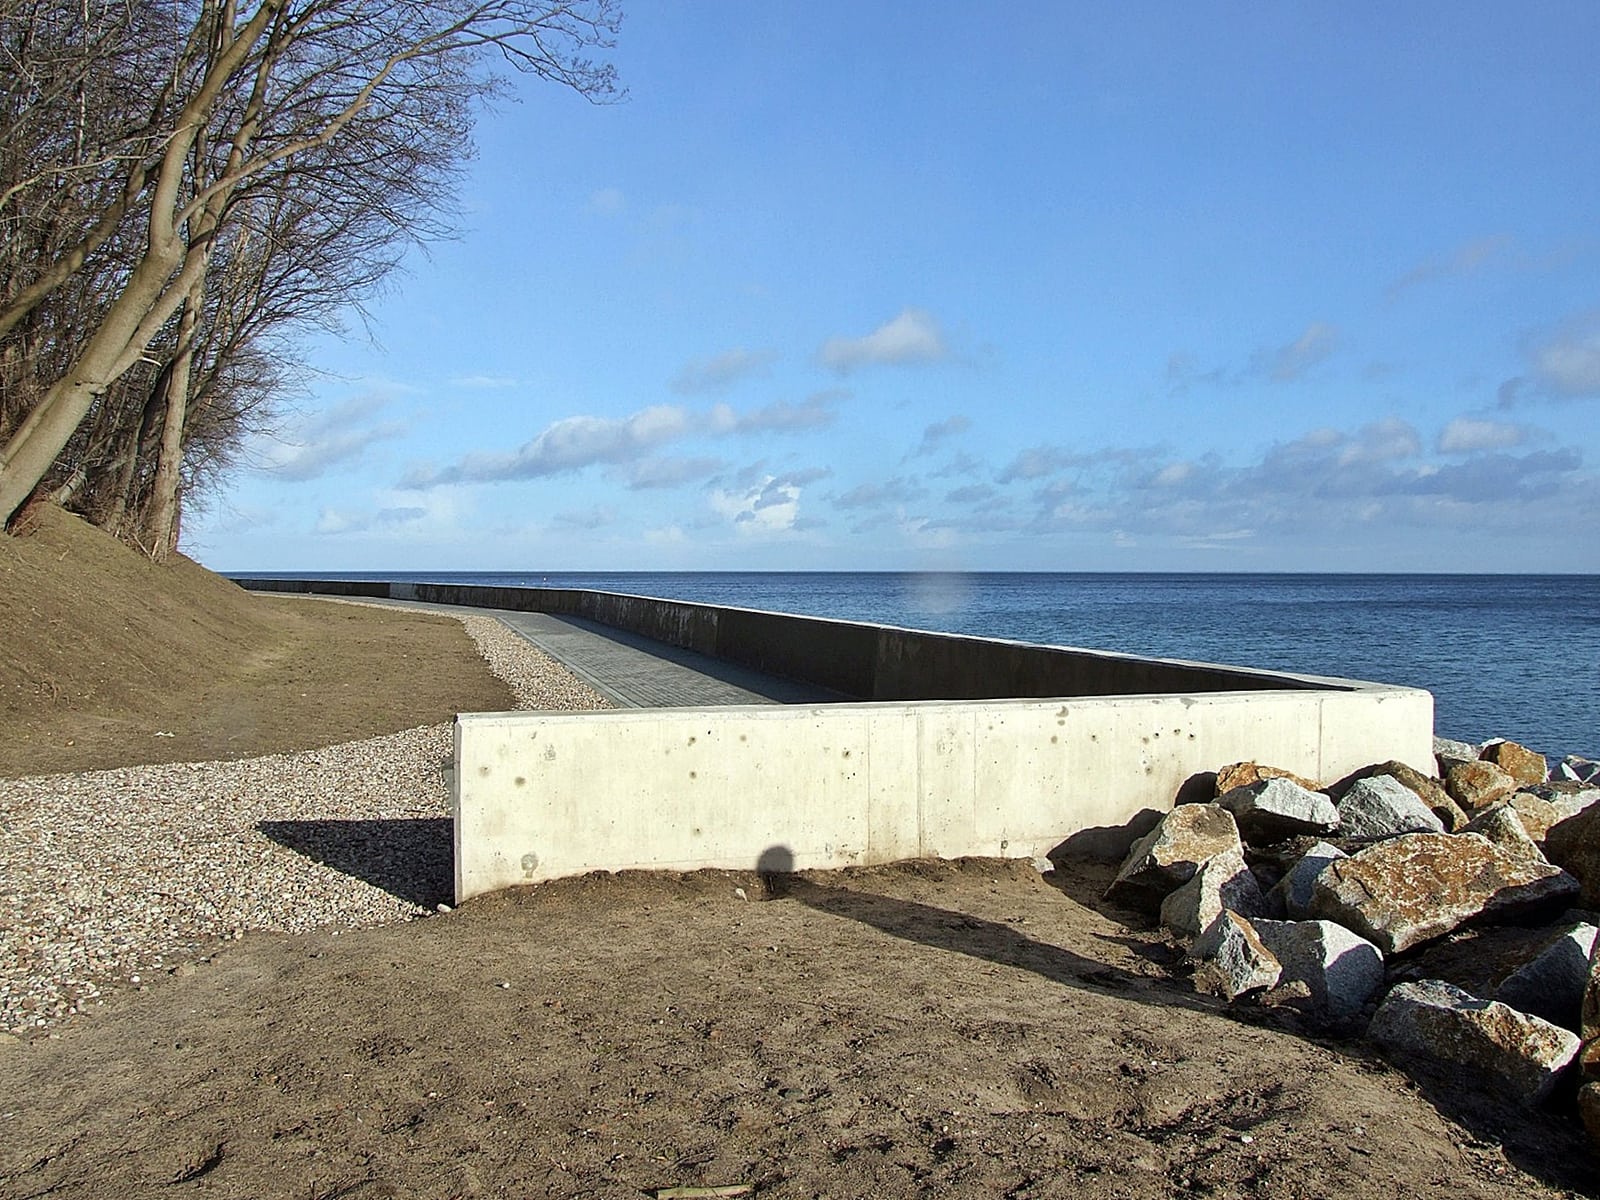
(101,650)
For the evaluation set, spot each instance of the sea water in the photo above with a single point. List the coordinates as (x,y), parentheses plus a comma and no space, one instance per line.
(1514,656)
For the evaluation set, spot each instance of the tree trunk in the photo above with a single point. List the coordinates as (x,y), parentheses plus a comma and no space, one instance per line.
(137,450)
(161,520)
(144,305)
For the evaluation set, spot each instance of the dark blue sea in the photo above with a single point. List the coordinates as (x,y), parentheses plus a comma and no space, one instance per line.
(1515,656)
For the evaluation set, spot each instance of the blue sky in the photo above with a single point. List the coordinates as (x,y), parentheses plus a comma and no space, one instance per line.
(1022,286)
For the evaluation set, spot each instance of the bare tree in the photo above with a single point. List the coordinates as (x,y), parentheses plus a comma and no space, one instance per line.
(343,121)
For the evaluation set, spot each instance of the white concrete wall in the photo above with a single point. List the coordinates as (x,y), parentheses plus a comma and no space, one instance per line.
(544,795)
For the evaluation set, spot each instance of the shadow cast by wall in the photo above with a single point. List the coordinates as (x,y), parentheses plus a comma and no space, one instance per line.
(413,859)
(947,929)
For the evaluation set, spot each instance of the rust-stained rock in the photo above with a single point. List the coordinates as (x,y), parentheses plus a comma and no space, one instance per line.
(1488,1043)
(1232,959)
(1171,853)
(1477,785)
(1548,805)
(1476,958)
(1502,826)
(1522,764)
(1243,774)
(1223,883)
(1402,892)
(1538,814)
(1589,1011)
(1271,810)
(1574,845)
(1589,1108)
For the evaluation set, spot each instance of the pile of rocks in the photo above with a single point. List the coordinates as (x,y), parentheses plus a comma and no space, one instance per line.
(1450,917)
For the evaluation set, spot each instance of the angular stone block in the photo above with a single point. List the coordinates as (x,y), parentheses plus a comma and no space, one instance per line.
(1294,889)
(1429,790)
(1383,807)
(1574,845)
(1171,853)
(1551,984)
(1543,808)
(1522,764)
(1504,828)
(1578,769)
(1243,774)
(1453,750)
(1232,960)
(1223,883)
(1340,969)
(1488,1043)
(1477,785)
(1402,892)
(1273,809)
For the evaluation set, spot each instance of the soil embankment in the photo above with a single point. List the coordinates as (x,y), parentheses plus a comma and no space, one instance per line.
(110,660)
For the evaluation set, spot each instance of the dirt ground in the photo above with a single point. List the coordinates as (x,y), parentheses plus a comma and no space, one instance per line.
(930,1029)
(926,1029)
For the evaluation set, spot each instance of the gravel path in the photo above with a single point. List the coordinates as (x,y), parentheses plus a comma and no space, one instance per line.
(108,877)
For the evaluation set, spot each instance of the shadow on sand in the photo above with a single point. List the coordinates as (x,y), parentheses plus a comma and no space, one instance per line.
(413,859)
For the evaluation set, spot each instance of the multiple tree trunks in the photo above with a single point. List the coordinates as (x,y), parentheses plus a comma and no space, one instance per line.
(186,183)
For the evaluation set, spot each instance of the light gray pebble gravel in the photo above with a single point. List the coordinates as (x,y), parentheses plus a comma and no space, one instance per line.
(110,877)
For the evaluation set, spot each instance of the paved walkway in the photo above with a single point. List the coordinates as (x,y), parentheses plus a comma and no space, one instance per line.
(639,672)
(633,671)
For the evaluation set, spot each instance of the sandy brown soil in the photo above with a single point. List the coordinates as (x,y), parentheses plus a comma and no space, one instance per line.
(928,1029)
(109,660)
(931,1029)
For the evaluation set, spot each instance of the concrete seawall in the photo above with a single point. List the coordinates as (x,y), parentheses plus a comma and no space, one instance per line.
(868,661)
(959,746)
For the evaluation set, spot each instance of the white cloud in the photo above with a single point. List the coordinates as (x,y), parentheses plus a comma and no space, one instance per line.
(1465,259)
(1287,363)
(595,517)
(721,371)
(1036,462)
(1183,372)
(1568,362)
(911,337)
(1328,483)
(769,509)
(940,432)
(335,521)
(669,471)
(569,444)
(876,495)
(574,443)
(1466,435)
(1384,440)
(339,435)
(814,412)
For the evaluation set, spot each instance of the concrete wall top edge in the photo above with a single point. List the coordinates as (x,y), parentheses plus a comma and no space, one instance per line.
(792,712)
